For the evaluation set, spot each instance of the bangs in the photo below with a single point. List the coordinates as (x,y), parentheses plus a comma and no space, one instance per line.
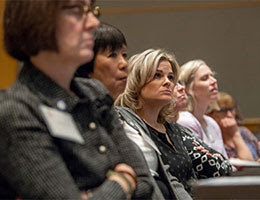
(109,38)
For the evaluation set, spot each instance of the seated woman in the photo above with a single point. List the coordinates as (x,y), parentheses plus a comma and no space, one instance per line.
(239,141)
(145,108)
(202,89)
(60,137)
(109,64)
(180,100)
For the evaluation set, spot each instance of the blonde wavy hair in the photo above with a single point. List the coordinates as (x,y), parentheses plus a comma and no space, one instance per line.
(142,68)
(187,73)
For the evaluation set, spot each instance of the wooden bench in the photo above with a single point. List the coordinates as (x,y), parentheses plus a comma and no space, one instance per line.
(253,124)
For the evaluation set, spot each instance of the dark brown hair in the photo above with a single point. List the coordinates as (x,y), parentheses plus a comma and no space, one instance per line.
(29,27)
(107,36)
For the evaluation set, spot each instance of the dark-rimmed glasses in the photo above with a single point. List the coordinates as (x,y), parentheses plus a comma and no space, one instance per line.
(83,10)
(225,110)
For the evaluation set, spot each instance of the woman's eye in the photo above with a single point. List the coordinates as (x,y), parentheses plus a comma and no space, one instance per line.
(75,8)
(157,75)
(171,78)
(125,55)
(112,55)
(204,78)
(180,83)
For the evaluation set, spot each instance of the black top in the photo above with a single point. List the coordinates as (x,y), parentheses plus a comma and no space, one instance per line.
(189,157)
(176,156)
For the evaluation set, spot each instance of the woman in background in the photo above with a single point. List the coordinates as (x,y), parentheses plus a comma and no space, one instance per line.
(239,141)
(146,107)
(109,64)
(60,137)
(181,100)
(202,90)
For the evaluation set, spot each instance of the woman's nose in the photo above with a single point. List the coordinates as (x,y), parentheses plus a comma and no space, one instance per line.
(213,80)
(180,88)
(123,63)
(92,22)
(229,113)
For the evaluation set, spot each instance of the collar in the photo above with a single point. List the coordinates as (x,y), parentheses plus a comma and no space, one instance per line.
(46,89)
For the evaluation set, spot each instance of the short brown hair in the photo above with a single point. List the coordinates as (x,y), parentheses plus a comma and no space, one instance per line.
(29,27)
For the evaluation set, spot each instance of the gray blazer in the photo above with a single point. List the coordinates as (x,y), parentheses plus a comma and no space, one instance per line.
(52,144)
(134,121)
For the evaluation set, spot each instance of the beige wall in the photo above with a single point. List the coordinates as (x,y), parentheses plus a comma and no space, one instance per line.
(227,37)
(7,64)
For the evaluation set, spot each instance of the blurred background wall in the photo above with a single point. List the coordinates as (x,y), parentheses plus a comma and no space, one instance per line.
(226,34)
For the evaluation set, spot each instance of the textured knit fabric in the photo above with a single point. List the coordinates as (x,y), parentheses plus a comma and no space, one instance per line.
(251,142)
(34,164)
(211,136)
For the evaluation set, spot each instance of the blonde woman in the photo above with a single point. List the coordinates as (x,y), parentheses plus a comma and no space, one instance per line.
(147,105)
(202,89)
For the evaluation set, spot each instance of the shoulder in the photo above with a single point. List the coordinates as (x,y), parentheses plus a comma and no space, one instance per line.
(92,88)
(247,134)
(188,120)
(17,100)
(212,123)
(186,117)
(130,117)
(181,129)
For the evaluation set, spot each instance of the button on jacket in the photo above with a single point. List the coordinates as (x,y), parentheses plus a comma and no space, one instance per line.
(34,163)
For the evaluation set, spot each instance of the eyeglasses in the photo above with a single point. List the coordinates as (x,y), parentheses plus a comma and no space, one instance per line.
(83,10)
(225,110)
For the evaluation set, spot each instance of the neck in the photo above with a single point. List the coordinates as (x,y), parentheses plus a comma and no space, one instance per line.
(59,70)
(150,115)
(199,110)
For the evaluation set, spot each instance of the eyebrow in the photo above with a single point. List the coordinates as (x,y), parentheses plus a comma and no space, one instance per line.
(159,70)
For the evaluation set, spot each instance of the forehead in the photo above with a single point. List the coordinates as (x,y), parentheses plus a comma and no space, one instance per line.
(203,70)
(165,66)
(226,103)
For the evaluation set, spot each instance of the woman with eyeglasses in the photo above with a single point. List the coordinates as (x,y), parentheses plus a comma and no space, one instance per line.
(60,137)
(239,141)
(202,89)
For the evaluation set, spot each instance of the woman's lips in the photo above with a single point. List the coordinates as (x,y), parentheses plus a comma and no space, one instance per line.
(168,92)
(214,90)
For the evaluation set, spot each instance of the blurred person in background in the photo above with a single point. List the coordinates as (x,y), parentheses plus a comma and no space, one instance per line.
(239,141)
(202,89)
(109,64)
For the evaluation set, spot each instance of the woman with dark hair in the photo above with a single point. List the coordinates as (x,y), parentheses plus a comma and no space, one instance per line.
(109,64)
(60,137)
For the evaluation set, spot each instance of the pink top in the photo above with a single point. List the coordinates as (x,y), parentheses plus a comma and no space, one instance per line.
(211,135)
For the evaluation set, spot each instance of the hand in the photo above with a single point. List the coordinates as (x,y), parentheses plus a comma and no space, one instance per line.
(229,125)
(125,176)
